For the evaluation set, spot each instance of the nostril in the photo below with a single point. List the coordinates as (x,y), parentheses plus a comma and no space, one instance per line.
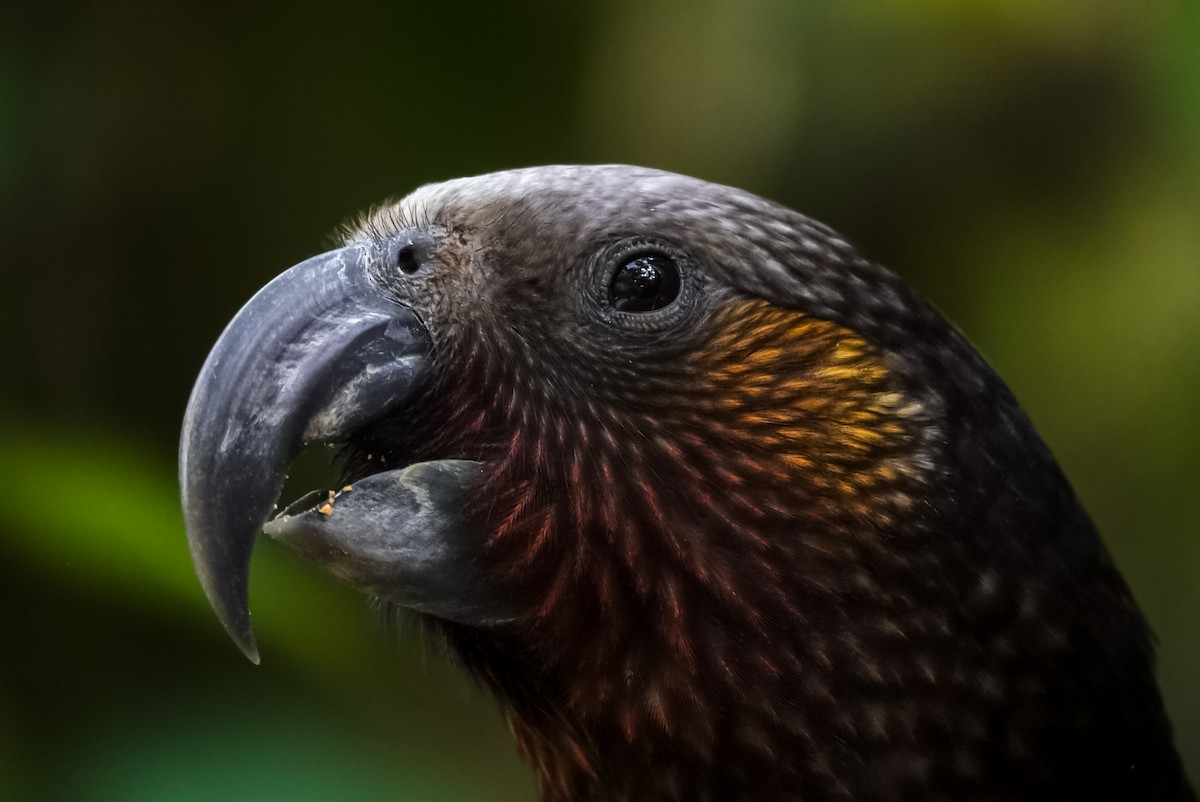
(407,259)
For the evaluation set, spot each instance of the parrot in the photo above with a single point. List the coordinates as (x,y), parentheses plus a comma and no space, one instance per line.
(717,508)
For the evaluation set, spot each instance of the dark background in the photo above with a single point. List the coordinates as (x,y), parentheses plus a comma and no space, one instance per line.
(1034,168)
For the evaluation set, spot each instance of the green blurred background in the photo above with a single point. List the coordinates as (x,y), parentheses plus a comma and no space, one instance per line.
(1034,168)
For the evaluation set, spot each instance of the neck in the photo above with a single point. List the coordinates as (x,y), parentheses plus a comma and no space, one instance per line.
(892,667)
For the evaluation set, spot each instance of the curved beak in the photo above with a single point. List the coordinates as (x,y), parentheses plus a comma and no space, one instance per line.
(315,355)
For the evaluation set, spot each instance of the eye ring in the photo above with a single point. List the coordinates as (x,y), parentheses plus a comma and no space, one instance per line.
(644,282)
(667,306)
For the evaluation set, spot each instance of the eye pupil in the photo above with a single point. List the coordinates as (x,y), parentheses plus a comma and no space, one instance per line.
(645,283)
(407,259)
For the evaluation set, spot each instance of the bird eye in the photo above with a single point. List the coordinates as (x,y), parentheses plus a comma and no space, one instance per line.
(407,259)
(644,283)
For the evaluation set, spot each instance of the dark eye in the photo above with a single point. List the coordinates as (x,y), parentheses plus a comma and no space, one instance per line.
(407,259)
(644,283)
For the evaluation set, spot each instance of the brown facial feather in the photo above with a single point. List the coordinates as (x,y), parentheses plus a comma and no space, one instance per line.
(683,557)
(806,549)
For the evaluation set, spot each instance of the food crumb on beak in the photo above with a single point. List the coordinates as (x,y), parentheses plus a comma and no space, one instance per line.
(346,489)
(327,507)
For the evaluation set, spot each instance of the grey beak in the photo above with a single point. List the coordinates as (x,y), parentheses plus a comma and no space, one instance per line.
(316,354)
(401,536)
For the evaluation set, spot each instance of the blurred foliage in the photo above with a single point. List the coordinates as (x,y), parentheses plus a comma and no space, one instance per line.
(1033,168)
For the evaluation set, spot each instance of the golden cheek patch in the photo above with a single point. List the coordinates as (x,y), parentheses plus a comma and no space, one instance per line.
(812,395)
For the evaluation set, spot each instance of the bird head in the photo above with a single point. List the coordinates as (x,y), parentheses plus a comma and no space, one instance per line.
(709,500)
